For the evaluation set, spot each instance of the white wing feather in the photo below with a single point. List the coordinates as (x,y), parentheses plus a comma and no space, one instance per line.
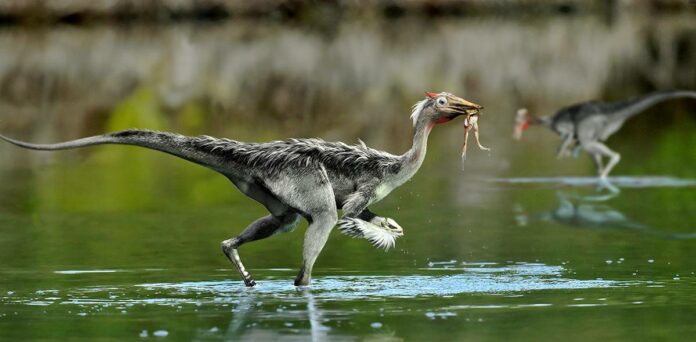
(378,236)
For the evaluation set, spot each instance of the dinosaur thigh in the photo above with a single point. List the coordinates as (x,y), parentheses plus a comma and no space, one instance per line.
(305,189)
(590,129)
(258,192)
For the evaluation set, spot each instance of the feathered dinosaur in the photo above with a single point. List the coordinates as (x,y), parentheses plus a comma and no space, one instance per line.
(308,178)
(589,124)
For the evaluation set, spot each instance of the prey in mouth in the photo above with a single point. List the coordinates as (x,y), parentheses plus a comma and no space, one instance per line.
(450,107)
(471,123)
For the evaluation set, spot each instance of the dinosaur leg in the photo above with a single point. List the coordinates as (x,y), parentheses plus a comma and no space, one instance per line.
(282,219)
(259,229)
(308,191)
(576,150)
(566,140)
(315,239)
(597,159)
(597,147)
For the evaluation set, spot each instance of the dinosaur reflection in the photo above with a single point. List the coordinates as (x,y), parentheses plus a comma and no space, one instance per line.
(586,212)
(244,326)
(304,320)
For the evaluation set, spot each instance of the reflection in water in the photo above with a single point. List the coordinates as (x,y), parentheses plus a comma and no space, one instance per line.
(611,182)
(241,315)
(314,314)
(583,212)
(242,326)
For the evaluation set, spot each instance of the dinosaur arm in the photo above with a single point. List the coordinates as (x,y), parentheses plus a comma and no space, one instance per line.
(566,139)
(384,222)
(382,232)
(367,215)
(357,201)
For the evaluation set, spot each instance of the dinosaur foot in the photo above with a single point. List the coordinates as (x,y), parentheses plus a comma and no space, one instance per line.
(249,282)
(380,231)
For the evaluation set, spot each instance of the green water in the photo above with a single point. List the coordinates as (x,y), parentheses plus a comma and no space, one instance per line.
(532,259)
(120,243)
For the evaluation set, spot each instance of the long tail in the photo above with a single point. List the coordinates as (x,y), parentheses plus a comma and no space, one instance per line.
(188,148)
(634,106)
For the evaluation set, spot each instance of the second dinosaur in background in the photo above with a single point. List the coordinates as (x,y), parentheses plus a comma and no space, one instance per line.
(590,124)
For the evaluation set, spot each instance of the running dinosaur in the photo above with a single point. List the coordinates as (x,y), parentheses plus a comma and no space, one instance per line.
(308,178)
(589,124)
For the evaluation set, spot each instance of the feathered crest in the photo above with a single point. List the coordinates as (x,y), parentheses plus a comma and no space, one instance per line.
(416,110)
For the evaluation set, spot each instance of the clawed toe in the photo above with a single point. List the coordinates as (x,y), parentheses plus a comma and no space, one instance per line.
(393,226)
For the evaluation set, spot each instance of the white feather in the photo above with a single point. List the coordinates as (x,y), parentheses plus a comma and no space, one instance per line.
(378,236)
(416,111)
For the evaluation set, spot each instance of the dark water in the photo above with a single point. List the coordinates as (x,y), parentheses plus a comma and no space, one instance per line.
(120,243)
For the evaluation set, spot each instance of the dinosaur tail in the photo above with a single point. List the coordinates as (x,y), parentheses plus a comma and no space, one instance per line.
(174,144)
(634,106)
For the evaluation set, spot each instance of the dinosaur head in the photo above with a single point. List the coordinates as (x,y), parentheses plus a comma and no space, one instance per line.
(439,108)
(522,122)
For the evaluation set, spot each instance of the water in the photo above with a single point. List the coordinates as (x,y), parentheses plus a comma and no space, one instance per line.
(120,243)
(572,264)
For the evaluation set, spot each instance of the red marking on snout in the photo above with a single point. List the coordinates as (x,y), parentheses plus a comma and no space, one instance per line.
(431,94)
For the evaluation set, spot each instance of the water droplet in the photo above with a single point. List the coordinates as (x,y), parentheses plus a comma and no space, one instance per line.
(430,314)
(608,262)
(376,325)
(143,333)
(651,261)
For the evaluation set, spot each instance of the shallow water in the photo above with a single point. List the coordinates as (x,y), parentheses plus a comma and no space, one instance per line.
(444,295)
(114,243)
(587,266)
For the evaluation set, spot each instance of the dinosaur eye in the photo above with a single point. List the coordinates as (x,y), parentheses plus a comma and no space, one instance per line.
(441,101)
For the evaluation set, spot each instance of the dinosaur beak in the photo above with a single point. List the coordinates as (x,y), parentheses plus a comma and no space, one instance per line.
(459,106)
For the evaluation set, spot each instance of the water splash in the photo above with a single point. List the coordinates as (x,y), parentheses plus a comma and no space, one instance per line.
(442,279)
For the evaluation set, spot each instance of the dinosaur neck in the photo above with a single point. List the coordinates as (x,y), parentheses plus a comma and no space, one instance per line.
(413,158)
(541,121)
